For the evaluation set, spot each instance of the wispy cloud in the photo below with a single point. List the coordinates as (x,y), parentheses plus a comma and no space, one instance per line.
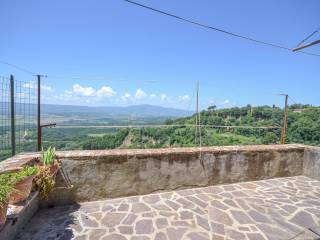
(184,98)
(225,102)
(163,97)
(78,90)
(106,91)
(87,94)
(126,97)
(45,88)
(82,91)
(140,94)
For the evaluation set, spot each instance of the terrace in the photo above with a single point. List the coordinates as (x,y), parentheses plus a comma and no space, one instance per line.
(239,192)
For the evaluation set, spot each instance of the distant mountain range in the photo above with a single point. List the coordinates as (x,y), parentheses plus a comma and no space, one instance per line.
(144,110)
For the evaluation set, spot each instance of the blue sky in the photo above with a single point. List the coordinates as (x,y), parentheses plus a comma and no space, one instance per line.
(113,53)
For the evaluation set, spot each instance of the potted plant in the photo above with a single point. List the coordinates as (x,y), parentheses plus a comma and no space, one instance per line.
(22,183)
(48,159)
(5,191)
(47,171)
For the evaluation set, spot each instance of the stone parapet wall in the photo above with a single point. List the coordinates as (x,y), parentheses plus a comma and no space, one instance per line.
(311,166)
(102,174)
(116,173)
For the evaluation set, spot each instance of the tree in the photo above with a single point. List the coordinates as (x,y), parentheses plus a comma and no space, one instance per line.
(212,108)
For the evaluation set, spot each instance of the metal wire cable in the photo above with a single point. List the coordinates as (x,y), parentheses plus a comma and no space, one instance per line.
(17,67)
(313,33)
(218,29)
(294,102)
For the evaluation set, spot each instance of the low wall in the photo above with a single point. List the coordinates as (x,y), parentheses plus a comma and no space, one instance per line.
(116,173)
(101,174)
(311,166)
(19,216)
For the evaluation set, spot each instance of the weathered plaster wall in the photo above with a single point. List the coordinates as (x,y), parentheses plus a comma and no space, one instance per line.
(115,173)
(311,164)
(104,174)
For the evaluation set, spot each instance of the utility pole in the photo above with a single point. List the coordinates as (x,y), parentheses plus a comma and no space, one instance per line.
(39,112)
(199,116)
(284,128)
(198,133)
(197,109)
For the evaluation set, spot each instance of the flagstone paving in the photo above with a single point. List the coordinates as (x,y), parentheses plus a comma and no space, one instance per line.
(282,208)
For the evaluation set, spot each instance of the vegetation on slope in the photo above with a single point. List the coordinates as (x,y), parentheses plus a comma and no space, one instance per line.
(303,127)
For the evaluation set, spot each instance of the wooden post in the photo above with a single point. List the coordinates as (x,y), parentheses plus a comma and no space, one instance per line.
(38,113)
(284,128)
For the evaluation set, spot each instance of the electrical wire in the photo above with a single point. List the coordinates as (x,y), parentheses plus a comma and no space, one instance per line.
(18,67)
(294,102)
(217,29)
(313,33)
(97,78)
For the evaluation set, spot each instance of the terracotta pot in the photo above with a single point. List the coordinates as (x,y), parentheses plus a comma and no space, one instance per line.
(54,169)
(21,190)
(3,213)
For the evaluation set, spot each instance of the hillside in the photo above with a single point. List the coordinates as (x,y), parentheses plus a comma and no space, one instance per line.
(143,110)
(303,127)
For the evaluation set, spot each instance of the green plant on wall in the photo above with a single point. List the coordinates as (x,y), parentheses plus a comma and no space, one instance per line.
(48,156)
(15,177)
(5,190)
(44,181)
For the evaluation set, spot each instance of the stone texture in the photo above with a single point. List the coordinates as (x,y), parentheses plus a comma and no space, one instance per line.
(144,226)
(160,236)
(311,163)
(137,172)
(262,212)
(112,219)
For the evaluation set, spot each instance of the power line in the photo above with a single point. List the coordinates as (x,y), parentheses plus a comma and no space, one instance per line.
(217,29)
(97,78)
(18,67)
(313,33)
(70,77)
(294,102)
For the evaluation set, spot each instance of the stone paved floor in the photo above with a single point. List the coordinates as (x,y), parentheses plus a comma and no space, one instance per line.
(282,208)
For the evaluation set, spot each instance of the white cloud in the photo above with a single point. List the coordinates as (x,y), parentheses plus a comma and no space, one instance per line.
(184,98)
(163,97)
(83,91)
(106,91)
(152,95)
(126,97)
(86,94)
(45,88)
(225,102)
(140,94)
(29,85)
(78,90)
